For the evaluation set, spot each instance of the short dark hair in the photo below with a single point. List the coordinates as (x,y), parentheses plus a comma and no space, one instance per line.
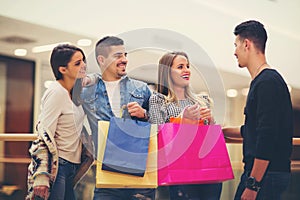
(106,42)
(61,56)
(254,31)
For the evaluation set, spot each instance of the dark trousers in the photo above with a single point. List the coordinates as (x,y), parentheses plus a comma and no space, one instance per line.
(273,185)
(124,194)
(63,186)
(195,192)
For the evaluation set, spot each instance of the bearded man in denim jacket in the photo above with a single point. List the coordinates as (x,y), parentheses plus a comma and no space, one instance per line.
(112,94)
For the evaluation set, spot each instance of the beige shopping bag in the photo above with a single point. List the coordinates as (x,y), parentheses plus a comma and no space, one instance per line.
(107,179)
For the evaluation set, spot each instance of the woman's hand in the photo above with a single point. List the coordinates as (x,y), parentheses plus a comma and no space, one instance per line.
(205,114)
(195,112)
(191,112)
(41,191)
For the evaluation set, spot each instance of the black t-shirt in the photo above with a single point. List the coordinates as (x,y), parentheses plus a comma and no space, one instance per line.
(268,129)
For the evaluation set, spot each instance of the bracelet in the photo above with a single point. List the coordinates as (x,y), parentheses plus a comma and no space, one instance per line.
(252,184)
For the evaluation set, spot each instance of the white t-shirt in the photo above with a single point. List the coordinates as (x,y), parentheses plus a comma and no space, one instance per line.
(64,120)
(113,92)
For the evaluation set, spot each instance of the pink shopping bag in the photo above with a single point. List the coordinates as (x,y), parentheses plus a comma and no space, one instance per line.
(192,154)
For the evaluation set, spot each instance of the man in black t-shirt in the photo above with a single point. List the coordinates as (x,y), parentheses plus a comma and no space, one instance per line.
(268,129)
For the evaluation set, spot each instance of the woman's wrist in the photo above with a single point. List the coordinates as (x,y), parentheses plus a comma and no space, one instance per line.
(212,121)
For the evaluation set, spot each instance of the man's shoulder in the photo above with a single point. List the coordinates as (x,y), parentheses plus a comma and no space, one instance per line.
(135,81)
(88,91)
(134,84)
(270,77)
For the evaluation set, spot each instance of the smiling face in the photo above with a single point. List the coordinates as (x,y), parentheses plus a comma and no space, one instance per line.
(180,71)
(76,68)
(114,65)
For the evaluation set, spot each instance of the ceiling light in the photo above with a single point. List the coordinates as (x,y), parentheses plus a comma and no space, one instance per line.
(48,47)
(232,93)
(20,52)
(84,42)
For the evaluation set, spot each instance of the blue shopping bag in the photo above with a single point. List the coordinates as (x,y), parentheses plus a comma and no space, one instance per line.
(127,145)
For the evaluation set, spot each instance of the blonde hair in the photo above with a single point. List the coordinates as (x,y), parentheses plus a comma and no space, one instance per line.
(165,83)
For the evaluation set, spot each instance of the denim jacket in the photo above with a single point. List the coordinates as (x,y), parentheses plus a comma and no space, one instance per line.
(96,103)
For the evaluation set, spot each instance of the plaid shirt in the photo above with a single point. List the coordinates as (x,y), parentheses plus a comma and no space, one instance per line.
(160,110)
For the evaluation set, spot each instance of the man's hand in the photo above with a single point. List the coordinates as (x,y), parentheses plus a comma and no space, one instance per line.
(85,81)
(135,110)
(249,194)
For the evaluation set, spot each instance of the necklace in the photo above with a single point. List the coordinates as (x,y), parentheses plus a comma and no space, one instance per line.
(258,68)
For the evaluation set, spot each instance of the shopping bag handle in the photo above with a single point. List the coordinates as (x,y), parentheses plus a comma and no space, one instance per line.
(122,110)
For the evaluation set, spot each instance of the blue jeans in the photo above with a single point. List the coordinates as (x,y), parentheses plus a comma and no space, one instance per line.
(196,192)
(273,185)
(63,186)
(124,194)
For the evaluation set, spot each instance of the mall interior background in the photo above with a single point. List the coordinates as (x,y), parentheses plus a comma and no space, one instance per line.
(31,24)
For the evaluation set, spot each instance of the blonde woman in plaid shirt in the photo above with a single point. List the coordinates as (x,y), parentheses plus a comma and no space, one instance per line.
(175,99)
